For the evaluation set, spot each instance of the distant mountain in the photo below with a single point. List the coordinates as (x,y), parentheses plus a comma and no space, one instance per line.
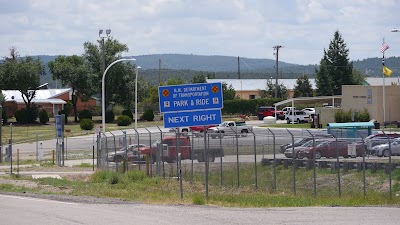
(225,67)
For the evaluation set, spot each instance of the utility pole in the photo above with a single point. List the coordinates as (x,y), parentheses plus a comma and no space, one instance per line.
(277,47)
(159,71)
(238,67)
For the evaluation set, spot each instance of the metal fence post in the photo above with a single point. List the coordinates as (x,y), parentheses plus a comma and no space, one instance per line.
(390,165)
(115,152)
(150,153)
(255,159)
(273,142)
(338,166)
(237,156)
(37,148)
(162,152)
(125,147)
(294,162)
(363,152)
(220,146)
(313,161)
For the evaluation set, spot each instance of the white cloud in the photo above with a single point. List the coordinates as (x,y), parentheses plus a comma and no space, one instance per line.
(247,28)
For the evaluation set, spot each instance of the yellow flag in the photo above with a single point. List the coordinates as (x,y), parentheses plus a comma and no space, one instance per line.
(387,71)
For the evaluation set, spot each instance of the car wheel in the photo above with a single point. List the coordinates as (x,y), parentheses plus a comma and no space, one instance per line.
(298,156)
(318,155)
(211,158)
(213,136)
(244,133)
(298,120)
(386,153)
(288,121)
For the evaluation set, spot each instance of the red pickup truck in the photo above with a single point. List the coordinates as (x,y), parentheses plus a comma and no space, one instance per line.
(200,129)
(170,150)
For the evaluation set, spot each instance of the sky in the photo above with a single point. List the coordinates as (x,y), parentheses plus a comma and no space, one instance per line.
(245,28)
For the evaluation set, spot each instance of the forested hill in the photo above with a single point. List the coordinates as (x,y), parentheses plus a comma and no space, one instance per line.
(186,66)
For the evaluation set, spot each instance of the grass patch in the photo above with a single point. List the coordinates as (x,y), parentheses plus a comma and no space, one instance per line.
(12,188)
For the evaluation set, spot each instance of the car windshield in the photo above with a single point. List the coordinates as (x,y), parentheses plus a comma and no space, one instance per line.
(298,141)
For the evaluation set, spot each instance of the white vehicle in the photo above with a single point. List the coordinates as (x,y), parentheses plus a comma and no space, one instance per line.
(183,130)
(297,116)
(309,111)
(231,128)
(288,109)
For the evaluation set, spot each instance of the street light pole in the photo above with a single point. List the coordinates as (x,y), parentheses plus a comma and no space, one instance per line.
(103,94)
(103,58)
(136,92)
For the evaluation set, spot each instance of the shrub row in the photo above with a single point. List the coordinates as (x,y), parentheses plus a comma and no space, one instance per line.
(342,116)
(247,107)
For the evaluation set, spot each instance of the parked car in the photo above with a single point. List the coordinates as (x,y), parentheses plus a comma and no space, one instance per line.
(330,149)
(378,139)
(264,111)
(309,111)
(297,116)
(303,140)
(132,154)
(289,152)
(383,149)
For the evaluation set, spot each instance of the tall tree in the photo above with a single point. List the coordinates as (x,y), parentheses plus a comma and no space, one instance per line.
(174,81)
(22,74)
(338,66)
(323,81)
(228,92)
(120,78)
(303,87)
(75,73)
(199,78)
(269,92)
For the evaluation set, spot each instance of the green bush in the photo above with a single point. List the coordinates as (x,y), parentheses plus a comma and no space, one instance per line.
(123,120)
(96,110)
(198,200)
(43,117)
(127,112)
(109,117)
(363,116)
(118,109)
(148,115)
(68,108)
(85,114)
(86,124)
(342,116)
(109,177)
(66,115)
(21,116)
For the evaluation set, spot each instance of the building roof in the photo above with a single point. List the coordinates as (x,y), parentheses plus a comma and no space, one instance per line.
(42,96)
(261,84)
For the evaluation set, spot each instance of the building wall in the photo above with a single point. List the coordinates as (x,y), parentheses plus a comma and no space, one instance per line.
(247,94)
(358,97)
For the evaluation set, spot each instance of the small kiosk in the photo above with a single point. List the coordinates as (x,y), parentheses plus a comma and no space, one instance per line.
(350,130)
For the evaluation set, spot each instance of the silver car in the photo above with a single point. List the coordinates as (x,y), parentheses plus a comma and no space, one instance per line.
(383,149)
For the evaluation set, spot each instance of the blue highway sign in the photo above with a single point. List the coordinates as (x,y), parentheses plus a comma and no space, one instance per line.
(190,97)
(192,118)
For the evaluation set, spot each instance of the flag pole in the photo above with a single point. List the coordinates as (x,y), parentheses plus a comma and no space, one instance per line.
(383,88)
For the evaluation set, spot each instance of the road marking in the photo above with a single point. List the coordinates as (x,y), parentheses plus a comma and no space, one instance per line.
(38,199)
